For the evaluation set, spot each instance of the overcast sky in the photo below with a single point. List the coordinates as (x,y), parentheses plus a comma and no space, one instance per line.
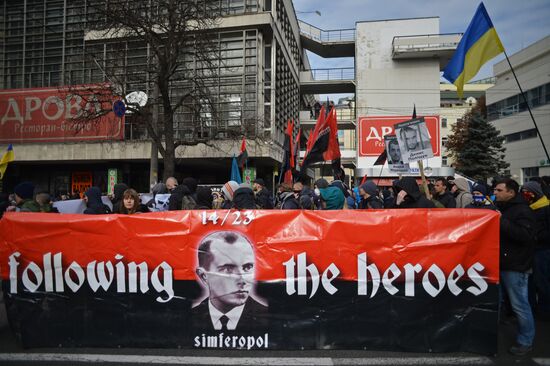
(519,23)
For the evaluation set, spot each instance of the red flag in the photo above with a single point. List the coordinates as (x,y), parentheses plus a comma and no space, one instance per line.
(364,180)
(243,156)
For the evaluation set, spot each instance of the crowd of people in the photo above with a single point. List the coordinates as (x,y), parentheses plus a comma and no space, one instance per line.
(524,220)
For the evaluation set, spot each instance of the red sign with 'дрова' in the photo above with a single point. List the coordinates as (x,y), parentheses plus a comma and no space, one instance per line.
(59,114)
(373,129)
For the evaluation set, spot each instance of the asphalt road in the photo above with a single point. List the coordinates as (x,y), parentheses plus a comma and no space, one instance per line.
(13,354)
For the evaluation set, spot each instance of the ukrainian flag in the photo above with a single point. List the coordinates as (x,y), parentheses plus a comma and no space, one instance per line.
(6,158)
(479,44)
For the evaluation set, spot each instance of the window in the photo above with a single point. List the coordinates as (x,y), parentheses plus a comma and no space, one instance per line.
(443,122)
(522,135)
(529,173)
(444,141)
(444,161)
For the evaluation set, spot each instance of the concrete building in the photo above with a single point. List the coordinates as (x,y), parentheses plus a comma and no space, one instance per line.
(269,81)
(508,112)
(43,45)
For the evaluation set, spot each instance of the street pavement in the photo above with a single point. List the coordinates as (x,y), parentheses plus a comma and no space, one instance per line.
(13,354)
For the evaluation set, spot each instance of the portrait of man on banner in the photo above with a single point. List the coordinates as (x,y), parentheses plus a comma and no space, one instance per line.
(226,270)
(393,152)
(414,140)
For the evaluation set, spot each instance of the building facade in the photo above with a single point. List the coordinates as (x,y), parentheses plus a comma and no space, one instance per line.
(507,110)
(257,89)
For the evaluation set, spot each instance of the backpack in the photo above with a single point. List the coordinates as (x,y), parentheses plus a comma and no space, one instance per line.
(188,203)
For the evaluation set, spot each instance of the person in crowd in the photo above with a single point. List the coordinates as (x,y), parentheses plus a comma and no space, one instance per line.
(243,199)
(24,202)
(306,196)
(338,181)
(181,199)
(369,196)
(546,186)
(350,202)
(116,199)
(130,202)
(461,191)
(332,198)
(540,291)
(217,200)
(517,244)
(171,184)
(480,198)
(94,205)
(288,200)
(228,191)
(387,198)
(204,198)
(429,195)
(409,195)
(317,109)
(442,194)
(4,203)
(154,204)
(262,195)
(44,201)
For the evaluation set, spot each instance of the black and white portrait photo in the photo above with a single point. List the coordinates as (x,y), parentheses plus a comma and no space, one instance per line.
(226,270)
(414,140)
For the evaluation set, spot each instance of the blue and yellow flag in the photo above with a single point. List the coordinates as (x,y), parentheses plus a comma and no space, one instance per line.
(479,44)
(6,158)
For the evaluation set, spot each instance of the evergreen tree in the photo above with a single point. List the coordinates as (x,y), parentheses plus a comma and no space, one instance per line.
(476,145)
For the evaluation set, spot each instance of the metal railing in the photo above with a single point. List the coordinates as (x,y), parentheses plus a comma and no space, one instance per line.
(344,73)
(404,43)
(333,35)
(343,113)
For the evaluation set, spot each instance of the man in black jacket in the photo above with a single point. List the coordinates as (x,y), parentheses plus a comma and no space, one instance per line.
(517,244)
(442,195)
(410,195)
(263,196)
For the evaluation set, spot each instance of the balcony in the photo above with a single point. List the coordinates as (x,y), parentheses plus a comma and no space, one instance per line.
(438,46)
(345,117)
(327,43)
(327,81)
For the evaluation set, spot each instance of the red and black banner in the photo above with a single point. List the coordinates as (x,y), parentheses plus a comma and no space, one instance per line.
(414,280)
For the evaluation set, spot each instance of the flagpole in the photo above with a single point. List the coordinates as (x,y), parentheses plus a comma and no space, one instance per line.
(528,108)
(423,176)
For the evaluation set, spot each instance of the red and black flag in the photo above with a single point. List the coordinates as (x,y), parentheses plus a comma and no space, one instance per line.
(286,170)
(323,142)
(243,156)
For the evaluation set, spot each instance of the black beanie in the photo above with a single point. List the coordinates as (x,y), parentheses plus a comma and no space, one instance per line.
(25,190)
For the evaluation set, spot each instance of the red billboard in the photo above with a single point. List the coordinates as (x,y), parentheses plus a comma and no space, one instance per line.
(59,114)
(373,129)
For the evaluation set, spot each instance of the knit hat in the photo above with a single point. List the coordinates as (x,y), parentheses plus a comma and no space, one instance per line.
(533,187)
(321,183)
(370,187)
(229,189)
(479,187)
(25,190)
